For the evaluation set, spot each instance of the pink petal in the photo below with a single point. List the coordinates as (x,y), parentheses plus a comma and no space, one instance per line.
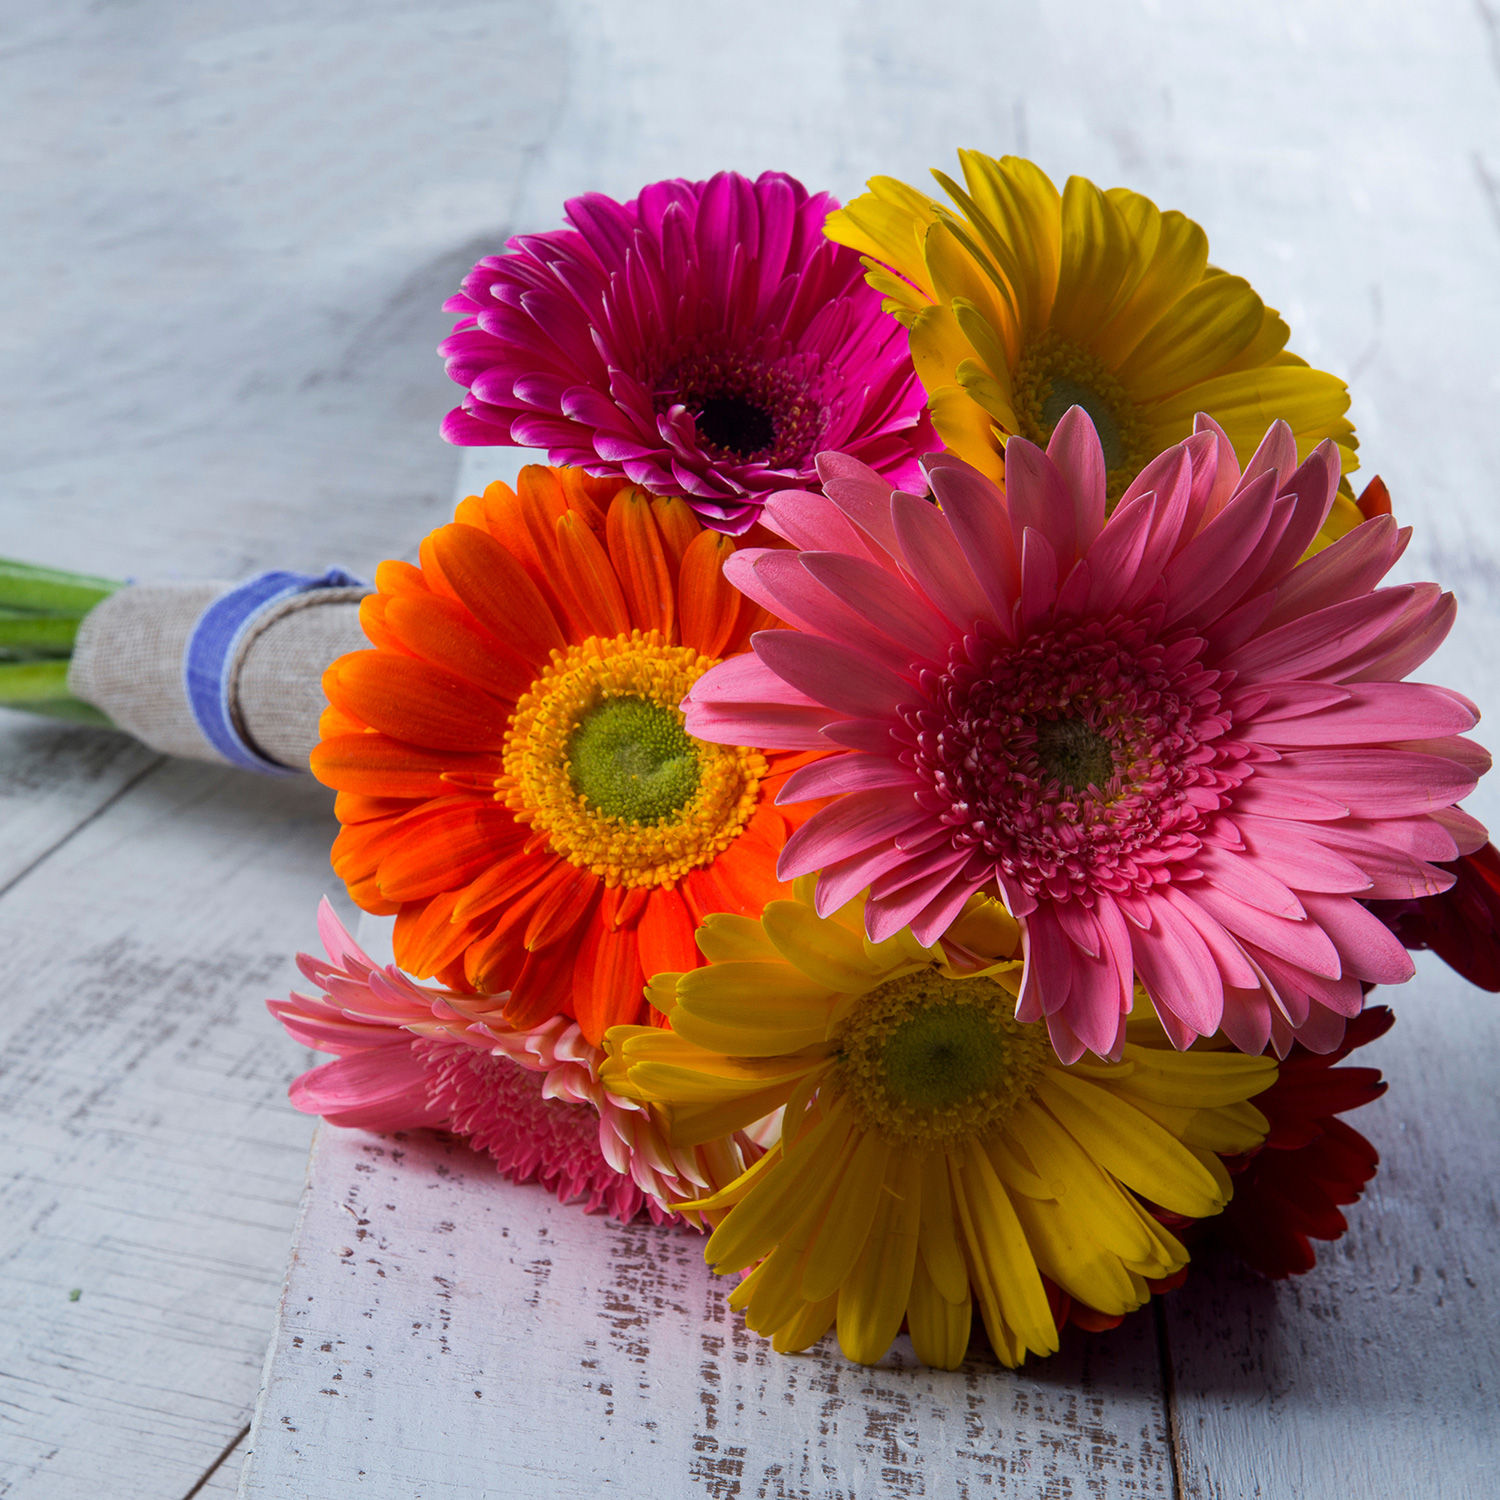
(1038,499)
(1351,566)
(1370,950)
(932,557)
(885,603)
(1178,970)
(859,821)
(976,511)
(1372,712)
(1078,458)
(837,774)
(830,672)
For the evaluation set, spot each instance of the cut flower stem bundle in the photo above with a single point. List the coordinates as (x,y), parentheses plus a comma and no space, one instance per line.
(920,788)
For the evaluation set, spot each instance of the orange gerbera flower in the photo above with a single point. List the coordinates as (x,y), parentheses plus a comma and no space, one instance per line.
(515,782)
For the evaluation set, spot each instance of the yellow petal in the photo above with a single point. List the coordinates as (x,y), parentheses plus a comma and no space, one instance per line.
(939,1328)
(941,1251)
(1178,256)
(856,1197)
(1018,198)
(1100,265)
(827,952)
(784,1198)
(1129,1145)
(724,938)
(1195,1080)
(1208,326)
(752,1009)
(1001,1263)
(806,1327)
(873,1299)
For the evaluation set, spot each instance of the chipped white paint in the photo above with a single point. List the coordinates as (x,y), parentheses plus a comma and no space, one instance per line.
(221,288)
(445,1333)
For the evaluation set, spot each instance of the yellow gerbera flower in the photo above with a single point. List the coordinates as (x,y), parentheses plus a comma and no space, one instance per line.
(933,1150)
(1025,302)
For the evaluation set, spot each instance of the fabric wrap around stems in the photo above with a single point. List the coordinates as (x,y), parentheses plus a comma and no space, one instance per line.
(230,674)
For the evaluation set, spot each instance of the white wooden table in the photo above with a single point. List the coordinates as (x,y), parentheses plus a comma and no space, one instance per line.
(229,231)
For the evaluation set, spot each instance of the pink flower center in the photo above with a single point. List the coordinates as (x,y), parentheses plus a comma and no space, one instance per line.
(748,405)
(1089,756)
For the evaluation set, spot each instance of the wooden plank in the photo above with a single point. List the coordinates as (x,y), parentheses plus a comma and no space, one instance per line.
(153,1163)
(446,1333)
(1376,1373)
(53,779)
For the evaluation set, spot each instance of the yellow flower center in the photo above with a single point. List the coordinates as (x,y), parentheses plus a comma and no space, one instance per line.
(928,1060)
(597,758)
(1053,375)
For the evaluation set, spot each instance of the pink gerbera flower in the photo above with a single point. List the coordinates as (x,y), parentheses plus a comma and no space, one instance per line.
(703,339)
(409,1057)
(1177,750)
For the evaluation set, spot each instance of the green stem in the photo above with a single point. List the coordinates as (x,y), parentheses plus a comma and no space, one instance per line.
(37,635)
(24,682)
(28,587)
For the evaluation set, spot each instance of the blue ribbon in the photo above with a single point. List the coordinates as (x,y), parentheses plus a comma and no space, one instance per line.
(208,660)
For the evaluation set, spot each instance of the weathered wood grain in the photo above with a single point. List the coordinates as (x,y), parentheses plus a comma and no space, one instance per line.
(445,1333)
(1377,1373)
(53,779)
(152,1162)
(220,296)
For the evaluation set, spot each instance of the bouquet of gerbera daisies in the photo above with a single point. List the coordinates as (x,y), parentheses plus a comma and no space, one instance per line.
(924,786)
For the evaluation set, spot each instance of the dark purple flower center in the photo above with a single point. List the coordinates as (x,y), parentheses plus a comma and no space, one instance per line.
(746,406)
(1089,756)
(734,425)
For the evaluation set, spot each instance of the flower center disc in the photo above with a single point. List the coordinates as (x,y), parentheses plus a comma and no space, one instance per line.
(1074,753)
(736,425)
(633,760)
(748,405)
(1052,376)
(597,758)
(928,1060)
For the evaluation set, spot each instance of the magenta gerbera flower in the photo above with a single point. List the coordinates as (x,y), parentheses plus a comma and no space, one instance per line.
(1178,751)
(703,339)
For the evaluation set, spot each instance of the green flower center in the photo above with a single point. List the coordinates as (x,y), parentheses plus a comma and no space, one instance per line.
(633,760)
(1074,754)
(928,1060)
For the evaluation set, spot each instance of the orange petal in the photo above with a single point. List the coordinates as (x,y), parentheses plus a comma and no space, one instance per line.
(426,940)
(443,849)
(640,562)
(375,765)
(678,525)
(495,588)
(608,985)
(443,632)
(543,988)
(595,603)
(709,605)
(396,577)
(589,496)
(412,701)
(666,934)
(566,907)
(372,621)
(513,879)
